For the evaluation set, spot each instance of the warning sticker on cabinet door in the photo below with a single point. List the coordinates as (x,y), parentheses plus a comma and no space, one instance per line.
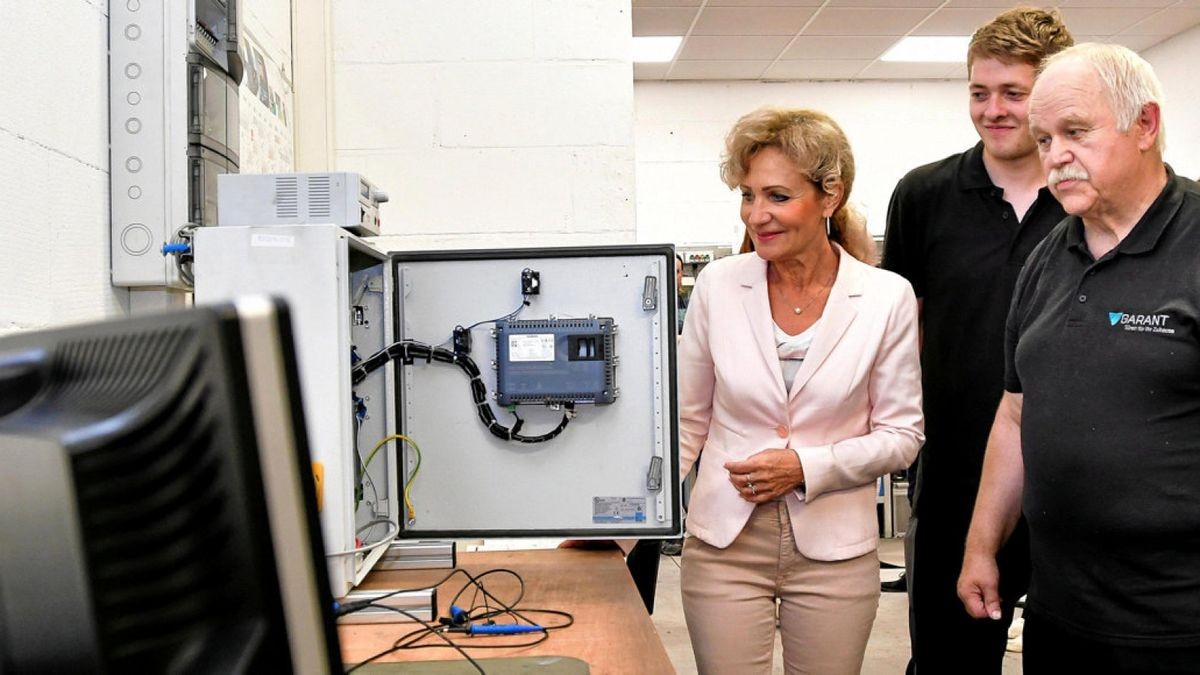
(618,509)
(531,347)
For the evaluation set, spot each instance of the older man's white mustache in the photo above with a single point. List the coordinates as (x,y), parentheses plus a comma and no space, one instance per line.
(1067,173)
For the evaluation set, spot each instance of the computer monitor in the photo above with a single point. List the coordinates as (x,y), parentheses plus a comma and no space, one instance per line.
(157,508)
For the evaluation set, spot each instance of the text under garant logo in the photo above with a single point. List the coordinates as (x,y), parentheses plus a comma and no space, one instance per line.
(1141,323)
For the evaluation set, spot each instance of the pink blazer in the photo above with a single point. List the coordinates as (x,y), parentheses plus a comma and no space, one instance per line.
(853,413)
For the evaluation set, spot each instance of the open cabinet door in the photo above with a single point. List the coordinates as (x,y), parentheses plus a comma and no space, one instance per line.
(581,337)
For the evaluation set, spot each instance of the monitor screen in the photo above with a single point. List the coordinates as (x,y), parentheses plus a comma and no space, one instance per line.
(157,508)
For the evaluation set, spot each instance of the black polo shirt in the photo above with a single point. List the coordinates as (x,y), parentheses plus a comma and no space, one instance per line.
(960,245)
(1107,355)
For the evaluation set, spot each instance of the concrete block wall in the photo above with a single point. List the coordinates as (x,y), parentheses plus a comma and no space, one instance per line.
(489,123)
(680,130)
(54,213)
(892,126)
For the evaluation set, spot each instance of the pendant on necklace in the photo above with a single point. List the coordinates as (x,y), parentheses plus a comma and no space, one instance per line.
(797,310)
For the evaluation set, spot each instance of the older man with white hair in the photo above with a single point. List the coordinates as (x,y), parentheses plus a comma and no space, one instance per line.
(1097,437)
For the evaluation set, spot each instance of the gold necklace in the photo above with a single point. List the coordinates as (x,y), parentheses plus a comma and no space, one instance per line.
(798,310)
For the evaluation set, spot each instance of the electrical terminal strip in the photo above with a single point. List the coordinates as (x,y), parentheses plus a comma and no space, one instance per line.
(418,555)
(419,604)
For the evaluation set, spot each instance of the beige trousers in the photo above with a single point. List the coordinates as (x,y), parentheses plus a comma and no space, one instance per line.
(729,599)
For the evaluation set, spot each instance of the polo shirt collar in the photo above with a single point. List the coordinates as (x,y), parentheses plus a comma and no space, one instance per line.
(973,174)
(1145,235)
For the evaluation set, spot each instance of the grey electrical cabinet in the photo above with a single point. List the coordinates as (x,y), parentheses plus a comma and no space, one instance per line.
(503,393)
(174,125)
(339,297)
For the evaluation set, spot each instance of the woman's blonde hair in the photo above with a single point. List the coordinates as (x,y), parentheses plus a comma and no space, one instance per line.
(820,151)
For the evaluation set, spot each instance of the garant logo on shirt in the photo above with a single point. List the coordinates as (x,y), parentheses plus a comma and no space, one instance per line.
(1141,323)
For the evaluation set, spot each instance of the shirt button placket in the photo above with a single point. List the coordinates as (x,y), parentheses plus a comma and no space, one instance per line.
(1079,313)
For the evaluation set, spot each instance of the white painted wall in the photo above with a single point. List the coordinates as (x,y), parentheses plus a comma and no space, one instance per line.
(489,123)
(1175,62)
(892,126)
(54,214)
(681,126)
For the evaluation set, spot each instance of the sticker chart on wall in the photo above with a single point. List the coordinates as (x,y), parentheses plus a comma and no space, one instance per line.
(267,97)
(539,386)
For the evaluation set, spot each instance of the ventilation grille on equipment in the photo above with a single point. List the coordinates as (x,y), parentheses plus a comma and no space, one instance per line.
(320,204)
(556,397)
(108,373)
(154,567)
(526,326)
(205,38)
(160,563)
(287,197)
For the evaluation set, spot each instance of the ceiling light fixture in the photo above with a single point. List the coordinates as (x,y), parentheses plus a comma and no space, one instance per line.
(655,49)
(929,49)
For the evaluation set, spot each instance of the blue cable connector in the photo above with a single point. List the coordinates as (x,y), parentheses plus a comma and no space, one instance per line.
(501,629)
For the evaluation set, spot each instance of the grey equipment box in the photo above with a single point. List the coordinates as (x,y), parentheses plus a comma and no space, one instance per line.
(555,361)
(344,199)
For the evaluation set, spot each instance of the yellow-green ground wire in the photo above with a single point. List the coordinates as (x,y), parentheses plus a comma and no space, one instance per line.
(412,512)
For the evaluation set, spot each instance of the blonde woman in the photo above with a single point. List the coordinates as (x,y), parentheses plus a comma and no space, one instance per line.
(799,387)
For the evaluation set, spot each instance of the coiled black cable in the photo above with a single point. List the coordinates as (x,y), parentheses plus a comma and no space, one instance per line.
(410,351)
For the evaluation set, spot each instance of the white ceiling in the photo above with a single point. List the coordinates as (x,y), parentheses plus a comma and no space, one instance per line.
(843,39)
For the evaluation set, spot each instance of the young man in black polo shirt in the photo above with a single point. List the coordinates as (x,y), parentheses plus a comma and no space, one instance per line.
(1098,432)
(959,230)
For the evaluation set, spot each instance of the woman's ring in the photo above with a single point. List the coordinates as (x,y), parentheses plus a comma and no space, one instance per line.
(749,482)
(753,490)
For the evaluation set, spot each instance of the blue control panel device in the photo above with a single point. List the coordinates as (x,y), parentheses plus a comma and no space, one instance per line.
(555,361)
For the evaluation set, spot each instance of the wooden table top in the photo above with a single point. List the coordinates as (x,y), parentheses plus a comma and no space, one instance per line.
(612,631)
